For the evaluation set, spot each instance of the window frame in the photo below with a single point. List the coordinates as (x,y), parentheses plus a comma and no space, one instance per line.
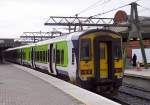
(117,53)
(102,52)
(62,56)
(81,49)
(58,56)
(43,56)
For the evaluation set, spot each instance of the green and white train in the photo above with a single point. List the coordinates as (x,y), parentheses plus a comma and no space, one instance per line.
(91,58)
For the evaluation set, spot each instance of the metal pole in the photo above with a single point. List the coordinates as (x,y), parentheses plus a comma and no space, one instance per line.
(135,33)
(139,35)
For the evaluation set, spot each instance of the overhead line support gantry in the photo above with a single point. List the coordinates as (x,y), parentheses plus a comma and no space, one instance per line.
(133,25)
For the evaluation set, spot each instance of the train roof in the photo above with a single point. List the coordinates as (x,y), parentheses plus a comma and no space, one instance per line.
(73,36)
(25,46)
(67,37)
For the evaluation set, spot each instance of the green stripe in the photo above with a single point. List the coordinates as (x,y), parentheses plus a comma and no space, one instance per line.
(42,48)
(63,46)
(27,54)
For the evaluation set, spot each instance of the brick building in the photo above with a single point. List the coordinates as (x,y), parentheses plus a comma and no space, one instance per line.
(134,43)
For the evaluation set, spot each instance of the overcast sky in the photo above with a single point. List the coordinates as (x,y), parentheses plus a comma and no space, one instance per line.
(18,16)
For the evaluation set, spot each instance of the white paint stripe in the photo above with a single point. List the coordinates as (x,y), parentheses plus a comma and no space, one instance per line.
(144,73)
(82,95)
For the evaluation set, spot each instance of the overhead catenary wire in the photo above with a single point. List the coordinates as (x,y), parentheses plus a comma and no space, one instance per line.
(109,11)
(112,10)
(93,6)
(145,8)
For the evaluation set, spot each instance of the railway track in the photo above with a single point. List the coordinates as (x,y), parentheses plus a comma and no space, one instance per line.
(131,95)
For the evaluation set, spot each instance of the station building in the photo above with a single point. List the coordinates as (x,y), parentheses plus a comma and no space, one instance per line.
(4,44)
(134,43)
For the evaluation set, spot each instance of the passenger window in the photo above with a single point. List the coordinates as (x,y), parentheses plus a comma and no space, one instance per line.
(29,54)
(85,49)
(43,56)
(46,56)
(73,53)
(37,55)
(102,53)
(57,56)
(62,56)
(24,55)
(117,52)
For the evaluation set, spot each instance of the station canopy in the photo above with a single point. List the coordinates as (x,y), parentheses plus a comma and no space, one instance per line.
(6,43)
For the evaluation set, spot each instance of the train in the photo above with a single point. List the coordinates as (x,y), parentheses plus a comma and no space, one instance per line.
(91,58)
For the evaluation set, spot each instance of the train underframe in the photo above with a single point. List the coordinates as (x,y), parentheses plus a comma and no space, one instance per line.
(105,87)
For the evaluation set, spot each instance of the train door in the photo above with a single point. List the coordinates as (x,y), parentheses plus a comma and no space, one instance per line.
(103,59)
(32,57)
(52,58)
(21,56)
(50,51)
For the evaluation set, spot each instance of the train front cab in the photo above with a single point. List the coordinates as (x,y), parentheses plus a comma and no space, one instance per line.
(100,61)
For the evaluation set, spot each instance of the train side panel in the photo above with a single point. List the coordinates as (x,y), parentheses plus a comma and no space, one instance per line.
(41,57)
(65,60)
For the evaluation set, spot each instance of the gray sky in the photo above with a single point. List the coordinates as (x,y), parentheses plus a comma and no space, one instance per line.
(18,16)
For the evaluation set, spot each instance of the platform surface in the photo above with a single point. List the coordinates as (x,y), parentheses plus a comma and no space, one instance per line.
(138,77)
(138,72)
(23,86)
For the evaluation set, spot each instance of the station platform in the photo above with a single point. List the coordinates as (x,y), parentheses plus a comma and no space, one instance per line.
(24,86)
(138,72)
(138,77)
